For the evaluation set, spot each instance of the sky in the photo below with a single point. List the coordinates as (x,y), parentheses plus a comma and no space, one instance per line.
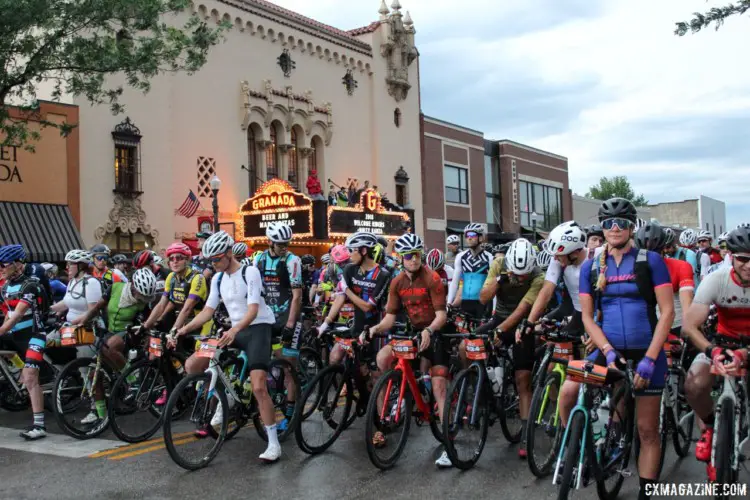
(605,83)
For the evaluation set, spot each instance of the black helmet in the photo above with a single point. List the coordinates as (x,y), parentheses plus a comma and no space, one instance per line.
(382,241)
(594,230)
(651,237)
(100,249)
(738,240)
(618,207)
(308,260)
(120,259)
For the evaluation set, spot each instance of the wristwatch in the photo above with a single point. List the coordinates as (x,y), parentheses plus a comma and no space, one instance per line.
(430,330)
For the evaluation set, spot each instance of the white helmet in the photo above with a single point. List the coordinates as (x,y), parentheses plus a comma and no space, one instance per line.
(144,282)
(159,260)
(688,238)
(639,223)
(240,249)
(326,258)
(543,259)
(247,261)
(359,240)
(50,268)
(565,239)
(703,235)
(407,243)
(723,236)
(452,239)
(475,227)
(278,232)
(520,258)
(217,244)
(77,255)
(741,225)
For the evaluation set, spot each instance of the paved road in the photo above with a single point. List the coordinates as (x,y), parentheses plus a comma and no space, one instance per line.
(61,468)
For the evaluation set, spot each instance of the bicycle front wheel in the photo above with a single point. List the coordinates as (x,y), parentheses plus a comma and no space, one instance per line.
(682,437)
(619,443)
(543,429)
(509,410)
(465,424)
(133,410)
(388,419)
(572,461)
(75,398)
(724,443)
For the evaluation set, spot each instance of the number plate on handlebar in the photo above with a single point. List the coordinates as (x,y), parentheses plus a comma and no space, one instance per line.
(585,372)
(461,325)
(475,349)
(76,335)
(154,346)
(208,348)
(564,348)
(346,345)
(404,349)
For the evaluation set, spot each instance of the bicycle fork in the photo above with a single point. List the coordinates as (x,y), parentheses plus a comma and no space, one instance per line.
(580,407)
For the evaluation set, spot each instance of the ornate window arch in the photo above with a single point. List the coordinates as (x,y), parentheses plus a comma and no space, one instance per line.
(272,154)
(293,173)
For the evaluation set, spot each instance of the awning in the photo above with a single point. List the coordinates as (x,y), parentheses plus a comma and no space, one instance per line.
(47,232)
(539,232)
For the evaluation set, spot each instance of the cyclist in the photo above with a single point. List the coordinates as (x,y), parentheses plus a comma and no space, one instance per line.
(122,264)
(239,250)
(514,281)
(471,268)
(684,251)
(453,245)
(729,290)
(417,291)
(58,287)
(337,307)
(148,259)
(310,277)
(100,255)
(22,330)
(241,290)
(81,301)
(594,239)
(543,260)
(707,255)
(614,282)
(501,249)
(436,261)
(281,272)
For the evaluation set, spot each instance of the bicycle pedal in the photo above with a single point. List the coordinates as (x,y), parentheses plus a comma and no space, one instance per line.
(624,472)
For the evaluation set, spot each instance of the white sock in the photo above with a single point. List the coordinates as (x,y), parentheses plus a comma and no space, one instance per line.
(273,437)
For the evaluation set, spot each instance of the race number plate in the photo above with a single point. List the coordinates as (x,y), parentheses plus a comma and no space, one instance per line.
(404,349)
(475,349)
(208,348)
(154,346)
(346,345)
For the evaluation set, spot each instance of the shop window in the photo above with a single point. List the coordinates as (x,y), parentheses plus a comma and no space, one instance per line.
(127,161)
(293,174)
(546,201)
(125,242)
(252,161)
(206,171)
(272,161)
(456,181)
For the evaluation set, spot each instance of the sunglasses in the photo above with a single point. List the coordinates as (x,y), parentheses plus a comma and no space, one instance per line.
(704,241)
(6,265)
(471,234)
(620,223)
(217,258)
(411,255)
(177,258)
(282,245)
(742,259)
(100,257)
(723,246)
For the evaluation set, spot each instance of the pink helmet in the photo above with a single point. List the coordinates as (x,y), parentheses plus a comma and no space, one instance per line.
(178,248)
(339,254)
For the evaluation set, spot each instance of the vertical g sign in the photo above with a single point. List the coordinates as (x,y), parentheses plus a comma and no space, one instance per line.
(372,200)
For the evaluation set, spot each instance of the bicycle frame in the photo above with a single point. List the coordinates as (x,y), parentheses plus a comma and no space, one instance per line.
(407,374)
(580,407)
(217,375)
(558,368)
(671,391)
(730,388)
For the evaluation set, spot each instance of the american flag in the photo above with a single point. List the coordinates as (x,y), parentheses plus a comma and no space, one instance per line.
(190,205)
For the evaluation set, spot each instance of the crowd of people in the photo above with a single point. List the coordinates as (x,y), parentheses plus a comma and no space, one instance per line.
(626,285)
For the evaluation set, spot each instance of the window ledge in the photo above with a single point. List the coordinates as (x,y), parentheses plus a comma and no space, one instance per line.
(453,204)
(127,192)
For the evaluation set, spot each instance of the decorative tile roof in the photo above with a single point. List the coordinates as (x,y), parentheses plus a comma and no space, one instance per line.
(364,29)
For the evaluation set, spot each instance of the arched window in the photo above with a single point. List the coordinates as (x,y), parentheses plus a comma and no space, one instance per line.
(293,175)
(397,117)
(312,162)
(252,160)
(272,164)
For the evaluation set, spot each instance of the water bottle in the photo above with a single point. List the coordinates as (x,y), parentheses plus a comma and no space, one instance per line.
(500,372)
(131,378)
(494,380)
(247,391)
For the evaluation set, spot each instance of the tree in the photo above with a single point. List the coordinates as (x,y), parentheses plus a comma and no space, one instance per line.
(716,15)
(77,45)
(616,187)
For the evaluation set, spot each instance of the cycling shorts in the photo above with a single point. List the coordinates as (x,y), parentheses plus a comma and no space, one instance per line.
(523,353)
(658,379)
(255,341)
(28,345)
(290,345)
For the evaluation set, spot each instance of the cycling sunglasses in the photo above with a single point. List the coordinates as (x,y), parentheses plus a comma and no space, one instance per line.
(742,259)
(704,240)
(723,246)
(177,258)
(609,224)
(217,258)
(100,257)
(471,234)
(411,255)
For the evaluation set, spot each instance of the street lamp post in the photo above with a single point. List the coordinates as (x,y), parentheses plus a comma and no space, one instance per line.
(534,218)
(215,184)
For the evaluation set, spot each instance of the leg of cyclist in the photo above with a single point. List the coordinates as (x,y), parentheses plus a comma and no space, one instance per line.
(384,360)
(698,385)
(523,359)
(439,374)
(30,376)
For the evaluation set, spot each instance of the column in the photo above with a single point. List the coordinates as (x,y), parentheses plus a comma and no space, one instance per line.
(261,160)
(284,156)
(304,154)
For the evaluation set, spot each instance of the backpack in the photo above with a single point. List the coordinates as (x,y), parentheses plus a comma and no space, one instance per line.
(36,272)
(643,281)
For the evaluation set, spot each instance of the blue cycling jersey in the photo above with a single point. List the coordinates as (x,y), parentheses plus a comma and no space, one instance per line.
(472,270)
(624,311)
(691,258)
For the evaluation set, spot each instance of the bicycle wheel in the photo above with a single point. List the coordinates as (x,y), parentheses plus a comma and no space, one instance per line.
(11,400)
(619,444)
(724,445)
(327,409)
(389,414)
(279,369)
(185,447)
(543,429)
(682,435)
(465,440)
(75,398)
(309,366)
(572,460)
(509,410)
(132,410)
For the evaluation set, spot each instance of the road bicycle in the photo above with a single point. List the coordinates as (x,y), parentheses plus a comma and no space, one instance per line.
(224,384)
(600,453)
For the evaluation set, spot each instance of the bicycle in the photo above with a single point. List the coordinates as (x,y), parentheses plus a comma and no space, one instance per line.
(225,378)
(393,410)
(323,396)
(136,393)
(544,411)
(586,453)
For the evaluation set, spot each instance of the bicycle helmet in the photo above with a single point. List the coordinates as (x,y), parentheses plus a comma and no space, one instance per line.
(544,259)
(743,224)
(639,223)
(565,239)
(121,259)
(359,240)
(688,238)
(278,232)
(704,235)
(158,260)
(144,282)
(217,244)
(738,240)
(473,226)
(326,258)
(723,237)
(12,253)
(247,261)
(452,239)
(378,253)
(178,248)
(339,254)
(308,260)
(382,241)
(594,230)
(143,258)
(78,256)
(240,250)
(651,237)
(618,207)
(408,243)
(520,258)
(100,249)
(435,259)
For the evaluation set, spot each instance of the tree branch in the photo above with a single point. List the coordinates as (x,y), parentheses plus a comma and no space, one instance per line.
(716,15)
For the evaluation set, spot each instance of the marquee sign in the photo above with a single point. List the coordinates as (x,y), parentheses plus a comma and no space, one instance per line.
(368,216)
(275,201)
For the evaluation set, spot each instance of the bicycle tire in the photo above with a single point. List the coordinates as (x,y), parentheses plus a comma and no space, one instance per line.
(508,400)
(542,468)
(187,383)
(682,442)
(372,419)
(72,370)
(628,427)
(572,454)
(258,423)
(724,450)
(483,406)
(237,414)
(322,382)
(307,357)
(11,400)
(118,386)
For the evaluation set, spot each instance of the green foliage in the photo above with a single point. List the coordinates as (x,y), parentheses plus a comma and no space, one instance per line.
(716,15)
(616,187)
(78,45)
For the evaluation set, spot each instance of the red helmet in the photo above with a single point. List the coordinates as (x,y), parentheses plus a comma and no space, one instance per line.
(143,258)
(178,248)
(435,259)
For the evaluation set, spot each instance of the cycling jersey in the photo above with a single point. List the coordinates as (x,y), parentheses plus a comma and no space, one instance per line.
(371,286)
(80,294)
(625,312)
(190,284)
(27,335)
(472,270)
(689,256)
(420,297)
(122,307)
(108,277)
(280,276)
(446,275)
(511,291)
(732,300)
(682,278)
(237,292)
(571,276)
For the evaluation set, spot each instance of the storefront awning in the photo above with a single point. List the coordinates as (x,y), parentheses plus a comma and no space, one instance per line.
(539,232)
(47,232)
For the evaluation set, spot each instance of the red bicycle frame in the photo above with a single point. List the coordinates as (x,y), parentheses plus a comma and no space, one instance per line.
(407,374)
